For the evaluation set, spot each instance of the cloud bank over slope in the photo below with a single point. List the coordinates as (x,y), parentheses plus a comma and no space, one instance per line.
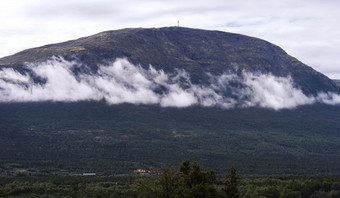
(122,82)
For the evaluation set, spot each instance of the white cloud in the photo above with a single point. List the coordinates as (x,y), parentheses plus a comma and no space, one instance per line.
(329,98)
(178,98)
(122,82)
(274,92)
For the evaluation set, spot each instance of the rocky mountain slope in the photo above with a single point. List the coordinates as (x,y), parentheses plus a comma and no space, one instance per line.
(196,51)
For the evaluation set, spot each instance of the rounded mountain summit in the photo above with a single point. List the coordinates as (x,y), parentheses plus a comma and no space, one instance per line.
(197,51)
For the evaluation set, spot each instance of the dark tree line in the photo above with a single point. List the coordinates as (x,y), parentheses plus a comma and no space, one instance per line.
(189,181)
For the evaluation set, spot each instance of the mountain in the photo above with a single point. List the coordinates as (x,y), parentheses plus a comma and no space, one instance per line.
(141,98)
(194,50)
(337,82)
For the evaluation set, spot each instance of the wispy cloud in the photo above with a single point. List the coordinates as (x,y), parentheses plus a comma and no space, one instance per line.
(123,82)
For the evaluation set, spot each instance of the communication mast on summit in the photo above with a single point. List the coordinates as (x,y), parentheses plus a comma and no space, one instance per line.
(177,23)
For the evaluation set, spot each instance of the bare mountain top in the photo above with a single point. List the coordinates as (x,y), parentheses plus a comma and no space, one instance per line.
(197,51)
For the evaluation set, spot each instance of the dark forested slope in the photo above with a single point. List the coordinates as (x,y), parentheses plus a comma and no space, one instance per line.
(92,136)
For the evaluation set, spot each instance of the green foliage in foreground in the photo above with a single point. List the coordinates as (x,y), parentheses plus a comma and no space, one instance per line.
(190,180)
(76,186)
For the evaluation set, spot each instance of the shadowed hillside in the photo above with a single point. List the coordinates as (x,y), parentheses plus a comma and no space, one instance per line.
(95,137)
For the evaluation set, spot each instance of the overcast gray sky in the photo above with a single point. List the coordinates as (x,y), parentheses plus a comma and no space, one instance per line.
(307,29)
